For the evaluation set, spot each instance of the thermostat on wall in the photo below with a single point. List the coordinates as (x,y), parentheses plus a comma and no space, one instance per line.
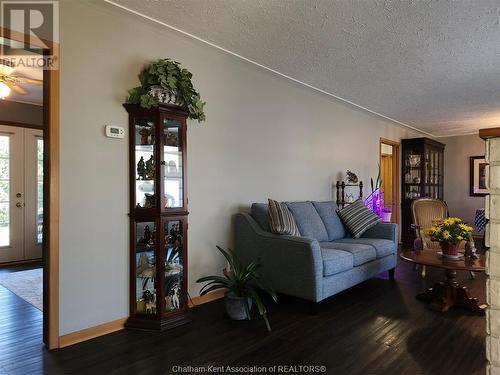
(114,131)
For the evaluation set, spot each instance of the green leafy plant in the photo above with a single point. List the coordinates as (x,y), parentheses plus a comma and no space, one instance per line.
(241,281)
(378,182)
(164,80)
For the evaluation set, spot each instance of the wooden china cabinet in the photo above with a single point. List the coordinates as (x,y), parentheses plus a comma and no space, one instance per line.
(422,177)
(158,217)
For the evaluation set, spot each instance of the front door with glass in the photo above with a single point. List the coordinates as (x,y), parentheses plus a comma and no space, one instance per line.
(21,193)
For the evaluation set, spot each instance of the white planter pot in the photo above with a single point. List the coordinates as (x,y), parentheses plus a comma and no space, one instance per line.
(386,217)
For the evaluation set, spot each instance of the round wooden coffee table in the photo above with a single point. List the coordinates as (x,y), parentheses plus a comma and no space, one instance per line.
(448,293)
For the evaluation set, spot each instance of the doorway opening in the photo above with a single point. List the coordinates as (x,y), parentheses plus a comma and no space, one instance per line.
(23,197)
(389,174)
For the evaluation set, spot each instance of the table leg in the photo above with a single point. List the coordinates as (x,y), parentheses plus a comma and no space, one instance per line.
(449,293)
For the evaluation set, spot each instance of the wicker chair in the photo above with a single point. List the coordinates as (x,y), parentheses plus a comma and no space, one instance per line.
(424,212)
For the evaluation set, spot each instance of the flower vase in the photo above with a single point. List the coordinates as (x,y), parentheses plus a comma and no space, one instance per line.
(450,250)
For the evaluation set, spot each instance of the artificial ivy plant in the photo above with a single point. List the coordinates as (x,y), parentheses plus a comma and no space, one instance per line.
(165,81)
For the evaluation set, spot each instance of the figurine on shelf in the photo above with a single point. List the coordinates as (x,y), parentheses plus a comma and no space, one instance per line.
(147,296)
(145,132)
(175,296)
(172,168)
(351,177)
(150,168)
(151,305)
(170,201)
(174,232)
(171,139)
(147,233)
(141,169)
(150,200)
(172,300)
(151,242)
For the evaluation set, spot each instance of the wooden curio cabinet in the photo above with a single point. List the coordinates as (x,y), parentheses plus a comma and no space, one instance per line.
(422,177)
(158,217)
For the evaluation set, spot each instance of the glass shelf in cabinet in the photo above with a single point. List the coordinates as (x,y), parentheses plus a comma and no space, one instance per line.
(145,148)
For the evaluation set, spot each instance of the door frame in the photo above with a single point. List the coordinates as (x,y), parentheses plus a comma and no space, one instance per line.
(50,189)
(396,147)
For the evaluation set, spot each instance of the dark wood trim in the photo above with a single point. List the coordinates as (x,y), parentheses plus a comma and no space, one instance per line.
(21,125)
(471,176)
(46,208)
(489,133)
(20,262)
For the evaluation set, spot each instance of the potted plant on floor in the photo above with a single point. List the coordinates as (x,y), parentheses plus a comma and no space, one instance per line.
(242,284)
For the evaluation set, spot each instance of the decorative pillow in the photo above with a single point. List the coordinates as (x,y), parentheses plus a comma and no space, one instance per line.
(357,218)
(281,220)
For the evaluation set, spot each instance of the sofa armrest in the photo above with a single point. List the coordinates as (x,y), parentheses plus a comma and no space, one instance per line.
(387,231)
(290,265)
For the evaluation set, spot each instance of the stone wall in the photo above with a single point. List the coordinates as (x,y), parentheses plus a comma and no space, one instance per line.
(493,260)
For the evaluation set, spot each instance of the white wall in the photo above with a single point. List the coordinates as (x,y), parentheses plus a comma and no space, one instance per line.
(456,175)
(264,137)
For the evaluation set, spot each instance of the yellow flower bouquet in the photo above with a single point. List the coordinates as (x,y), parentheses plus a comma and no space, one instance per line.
(449,232)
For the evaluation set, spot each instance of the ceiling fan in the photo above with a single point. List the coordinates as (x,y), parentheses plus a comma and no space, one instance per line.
(10,82)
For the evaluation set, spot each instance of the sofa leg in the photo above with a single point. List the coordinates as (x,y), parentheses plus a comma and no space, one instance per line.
(313,308)
(391,273)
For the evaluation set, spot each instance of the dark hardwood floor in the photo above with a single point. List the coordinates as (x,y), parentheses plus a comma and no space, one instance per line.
(21,345)
(377,327)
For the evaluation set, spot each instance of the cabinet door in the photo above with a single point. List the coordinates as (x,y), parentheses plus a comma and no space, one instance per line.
(144,161)
(412,172)
(144,270)
(173,164)
(174,245)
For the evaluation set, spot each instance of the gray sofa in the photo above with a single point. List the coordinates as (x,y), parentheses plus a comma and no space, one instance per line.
(324,260)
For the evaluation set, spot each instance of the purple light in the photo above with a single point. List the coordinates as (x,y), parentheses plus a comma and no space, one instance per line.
(375,202)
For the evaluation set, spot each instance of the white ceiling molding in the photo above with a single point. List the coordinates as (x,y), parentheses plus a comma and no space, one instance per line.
(428,93)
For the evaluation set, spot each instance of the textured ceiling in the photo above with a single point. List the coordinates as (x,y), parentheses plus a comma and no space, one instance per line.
(433,65)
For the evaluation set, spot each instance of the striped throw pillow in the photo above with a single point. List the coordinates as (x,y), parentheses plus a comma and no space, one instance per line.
(281,219)
(357,218)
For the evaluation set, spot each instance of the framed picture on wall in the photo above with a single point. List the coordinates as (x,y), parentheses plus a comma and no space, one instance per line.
(478,176)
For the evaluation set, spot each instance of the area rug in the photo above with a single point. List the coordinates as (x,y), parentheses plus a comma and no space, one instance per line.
(26,284)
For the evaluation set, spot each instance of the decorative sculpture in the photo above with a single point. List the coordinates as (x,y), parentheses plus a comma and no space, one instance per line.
(145,133)
(150,168)
(141,169)
(470,249)
(351,177)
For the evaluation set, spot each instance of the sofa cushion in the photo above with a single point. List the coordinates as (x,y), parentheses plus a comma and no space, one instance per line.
(357,218)
(382,247)
(328,213)
(361,253)
(308,220)
(281,220)
(336,261)
(260,214)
